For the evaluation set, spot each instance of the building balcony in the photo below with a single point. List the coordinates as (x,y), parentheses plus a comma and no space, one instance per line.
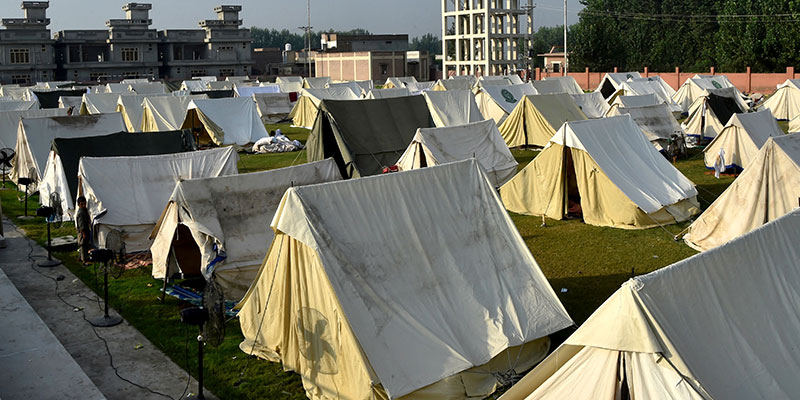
(110,64)
(25,22)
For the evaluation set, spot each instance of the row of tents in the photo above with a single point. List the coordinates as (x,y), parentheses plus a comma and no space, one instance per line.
(352,324)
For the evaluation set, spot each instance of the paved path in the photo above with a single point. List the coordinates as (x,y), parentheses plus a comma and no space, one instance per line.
(145,366)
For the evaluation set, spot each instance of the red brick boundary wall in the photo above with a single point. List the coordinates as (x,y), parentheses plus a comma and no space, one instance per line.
(745,81)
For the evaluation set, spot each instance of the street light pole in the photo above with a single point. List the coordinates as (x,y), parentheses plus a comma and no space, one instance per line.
(566,61)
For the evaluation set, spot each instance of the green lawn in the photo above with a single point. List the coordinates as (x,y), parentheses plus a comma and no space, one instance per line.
(589,262)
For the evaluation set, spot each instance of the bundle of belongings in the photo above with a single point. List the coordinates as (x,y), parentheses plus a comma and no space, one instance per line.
(277,143)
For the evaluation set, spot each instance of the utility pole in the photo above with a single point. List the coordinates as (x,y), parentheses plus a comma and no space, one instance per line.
(566,61)
(529,65)
(308,28)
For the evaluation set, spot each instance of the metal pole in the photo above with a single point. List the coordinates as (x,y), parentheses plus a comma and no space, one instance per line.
(308,36)
(200,367)
(105,288)
(566,62)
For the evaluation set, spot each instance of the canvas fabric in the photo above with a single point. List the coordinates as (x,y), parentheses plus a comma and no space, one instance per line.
(768,188)
(131,192)
(593,105)
(378,326)
(557,84)
(536,118)
(165,113)
(452,107)
(225,121)
(9,123)
(273,107)
(741,139)
(497,102)
(305,109)
(478,140)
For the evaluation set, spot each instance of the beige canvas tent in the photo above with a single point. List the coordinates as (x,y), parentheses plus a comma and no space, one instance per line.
(740,140)
(452,107)
(220,225)
(166,113)
(557,84)
(273,107)
(592,104)
(99,103)
(407,284)
(606,171)
(497,102)
(785,102)
(656,122)
(398,82)
(224,121)
(359,88)
(478,140)
(536,118)
(709,114)
(305,109)
(719,325)
(451,84)
(35,135)
(652,86)
(132,109)
(634,100)
(127,194)
(768,188)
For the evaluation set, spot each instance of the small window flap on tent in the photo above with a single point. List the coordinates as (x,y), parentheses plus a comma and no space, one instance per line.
(390,309)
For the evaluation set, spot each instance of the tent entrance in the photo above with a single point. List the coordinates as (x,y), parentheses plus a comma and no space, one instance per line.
(572,196)
(186,251)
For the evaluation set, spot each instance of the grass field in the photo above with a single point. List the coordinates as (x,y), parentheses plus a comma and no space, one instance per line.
(589,262)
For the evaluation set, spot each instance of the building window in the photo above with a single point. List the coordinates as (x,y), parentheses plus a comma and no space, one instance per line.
(244,45)
(130,54)
(384,69)
(96,76)
(20,56)
(178,70)
(130,75)
(225,48)
(198,72)
(227,72)
(44,48)
(21,79)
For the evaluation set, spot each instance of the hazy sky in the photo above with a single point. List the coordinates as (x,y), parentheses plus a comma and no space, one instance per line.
(415,17)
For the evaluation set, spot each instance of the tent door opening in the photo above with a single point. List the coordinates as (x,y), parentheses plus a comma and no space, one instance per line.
(186,252)
(608,89)
(572,197)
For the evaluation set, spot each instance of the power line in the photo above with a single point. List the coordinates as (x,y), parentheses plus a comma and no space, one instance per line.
(697,18)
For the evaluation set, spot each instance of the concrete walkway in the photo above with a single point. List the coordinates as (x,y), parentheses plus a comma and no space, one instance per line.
(146,366)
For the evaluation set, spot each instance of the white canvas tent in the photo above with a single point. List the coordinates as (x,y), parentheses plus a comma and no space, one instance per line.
(148,88)
(497,102)
(656,122)
(127,194)
(71,103)
(388,93)
(290,84)
(219,85)
(650,86)
(698,86)
(249,91)
(118,88)
(227,219)
(635,101)
(478,140)
(420,87)
(740,140)
(557,84)
(9,123)
(273,107)
(356,87)
(592,104)
(35,135)
(452,107)
(166,113)
(99,103)
(409,281)
(719,325)
(768,188)
(785,102)
(709,114)
(316,82)
(225,121)
(610,170)
(194,85)
(132,109)
(305,109)
(612,82)
(18,105)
